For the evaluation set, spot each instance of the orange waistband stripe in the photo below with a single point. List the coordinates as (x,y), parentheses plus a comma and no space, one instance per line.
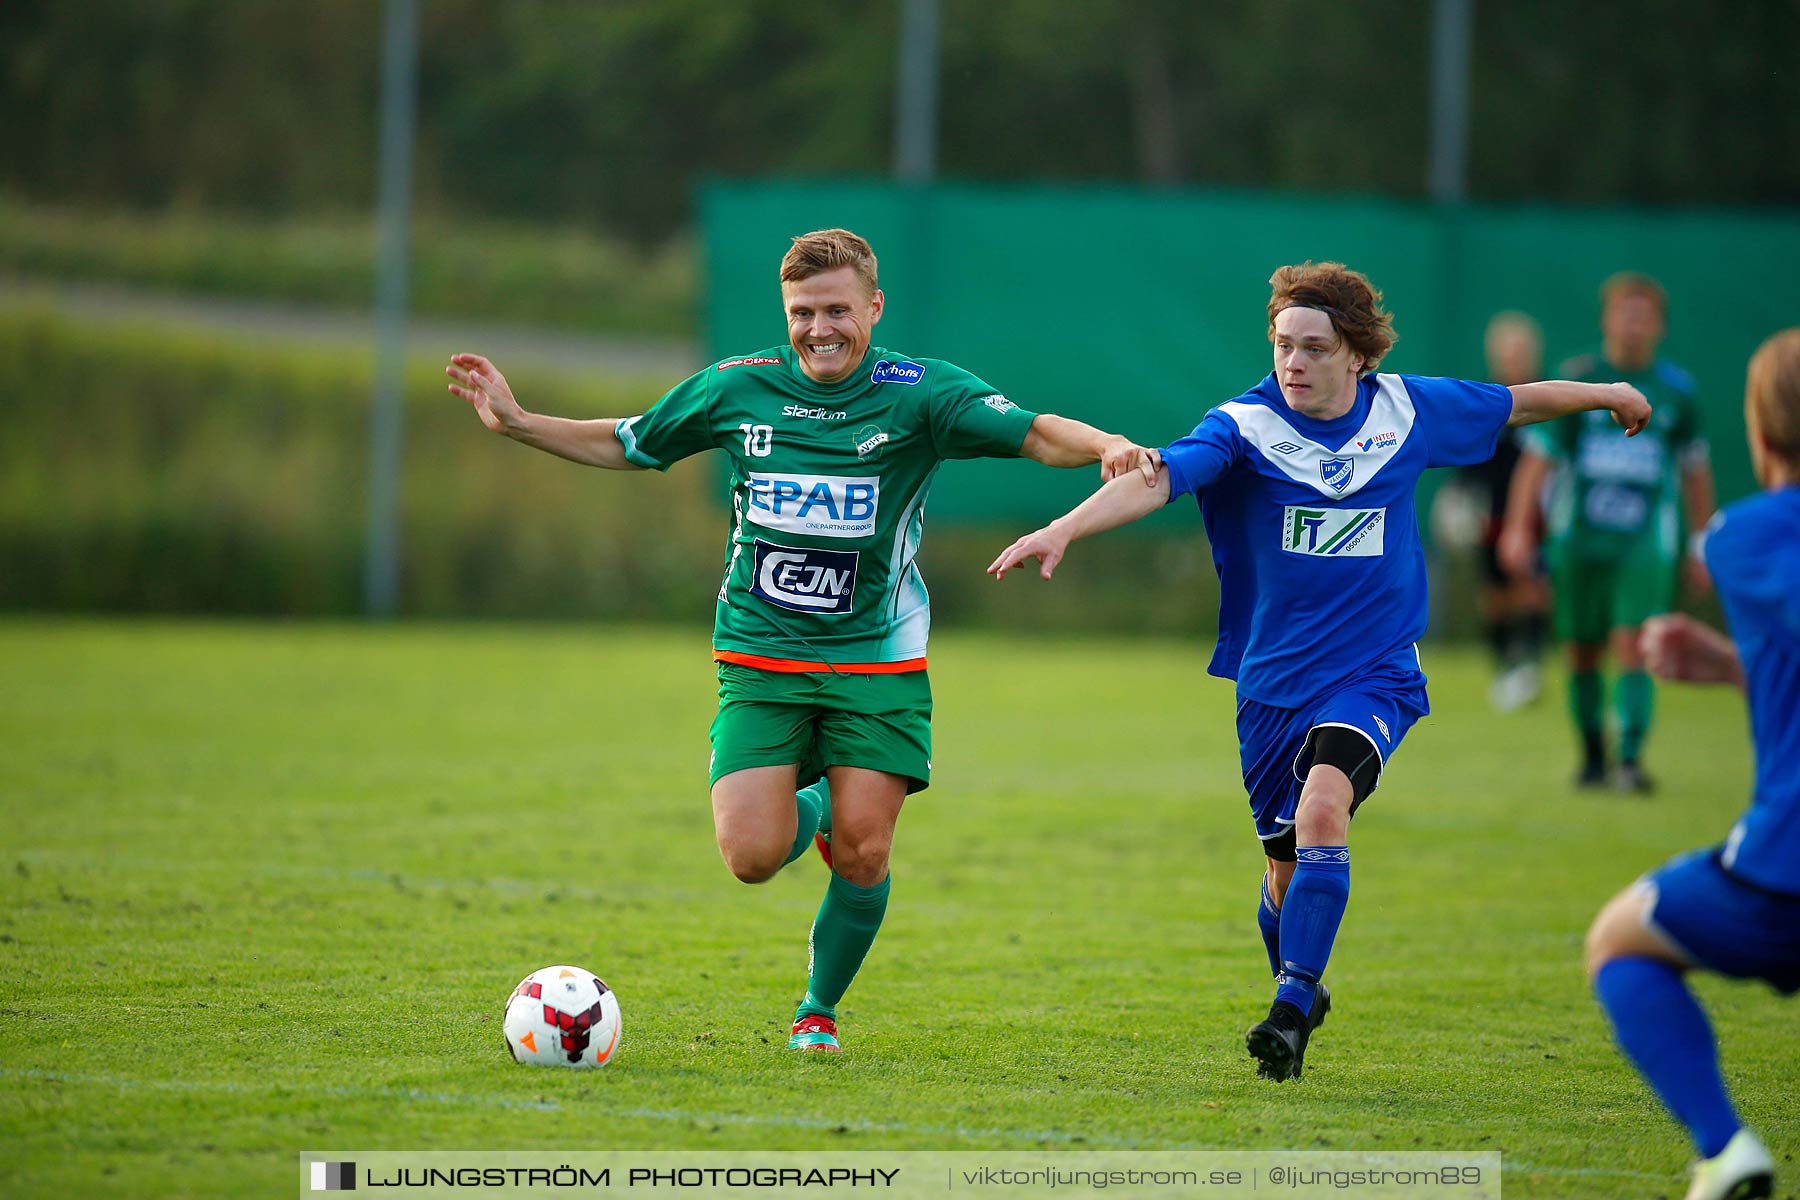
(794,666)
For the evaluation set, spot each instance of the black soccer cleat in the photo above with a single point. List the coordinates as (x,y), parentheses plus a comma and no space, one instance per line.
(1278,1043)
(1592,774)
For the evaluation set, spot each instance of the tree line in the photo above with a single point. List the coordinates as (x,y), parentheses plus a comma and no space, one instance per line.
(602,114)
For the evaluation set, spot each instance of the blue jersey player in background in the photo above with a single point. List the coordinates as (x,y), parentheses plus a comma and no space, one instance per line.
(1305,483)
(1735,908)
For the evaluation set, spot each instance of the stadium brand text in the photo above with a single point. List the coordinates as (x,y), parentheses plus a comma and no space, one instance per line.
(814,414)
(841,506)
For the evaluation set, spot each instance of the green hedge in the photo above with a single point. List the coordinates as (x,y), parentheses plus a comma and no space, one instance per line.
(149,471)
(484,271)
(144,470)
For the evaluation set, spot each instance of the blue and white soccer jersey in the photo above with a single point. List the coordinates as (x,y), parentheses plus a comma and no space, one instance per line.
(1736,909)
(1322,575)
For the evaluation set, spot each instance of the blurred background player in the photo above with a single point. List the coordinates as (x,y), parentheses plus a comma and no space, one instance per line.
(1615,530)
(822,618)
(1735,908)
(1306,486)
(1514,608)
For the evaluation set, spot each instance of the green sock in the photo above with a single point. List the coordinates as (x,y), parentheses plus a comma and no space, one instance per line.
(807,819)
(1635,698)
(841,936)
(1586,695)
(821,794)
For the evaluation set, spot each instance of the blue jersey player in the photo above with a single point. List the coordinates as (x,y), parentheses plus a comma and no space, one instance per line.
(1305,483)
(1735,908)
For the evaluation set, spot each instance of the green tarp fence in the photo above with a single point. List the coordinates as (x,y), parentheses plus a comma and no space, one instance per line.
(1139,310)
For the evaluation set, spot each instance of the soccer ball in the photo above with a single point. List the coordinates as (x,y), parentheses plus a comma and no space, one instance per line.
(562,1017)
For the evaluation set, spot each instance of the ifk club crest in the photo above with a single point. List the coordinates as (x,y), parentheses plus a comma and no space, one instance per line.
(1336,473)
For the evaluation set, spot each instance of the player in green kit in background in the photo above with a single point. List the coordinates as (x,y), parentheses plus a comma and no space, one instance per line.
(822,617)
(1615,531)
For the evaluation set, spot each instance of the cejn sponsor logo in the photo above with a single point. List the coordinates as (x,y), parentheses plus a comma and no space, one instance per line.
(1333,532)
(1379,441)
(805,580)
(999,403)
(841,506)
(814,414)
(899,371)
(747,362)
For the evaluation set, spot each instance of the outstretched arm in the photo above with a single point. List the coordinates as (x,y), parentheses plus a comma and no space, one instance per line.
(1060,442)
(1675,646)
(1120,502)
(1517,546)
(593,443)
(1534,402)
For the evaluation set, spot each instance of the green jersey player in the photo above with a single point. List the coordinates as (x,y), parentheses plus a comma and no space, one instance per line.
(1615,544)
(822,618)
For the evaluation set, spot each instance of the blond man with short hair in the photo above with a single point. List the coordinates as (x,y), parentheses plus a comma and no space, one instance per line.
(822,620)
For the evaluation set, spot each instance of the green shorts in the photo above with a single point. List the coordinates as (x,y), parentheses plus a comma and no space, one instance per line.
(819,720)
(1594,596)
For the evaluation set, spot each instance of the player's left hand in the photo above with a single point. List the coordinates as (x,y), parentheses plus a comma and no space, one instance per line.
(1699,579)
(1122,455)
(1044,545)
(1629,408)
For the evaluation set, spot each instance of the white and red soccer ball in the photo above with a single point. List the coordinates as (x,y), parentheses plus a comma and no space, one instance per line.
(562,1017)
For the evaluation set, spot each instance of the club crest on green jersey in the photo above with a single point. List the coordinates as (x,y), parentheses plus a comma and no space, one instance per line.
(868,439)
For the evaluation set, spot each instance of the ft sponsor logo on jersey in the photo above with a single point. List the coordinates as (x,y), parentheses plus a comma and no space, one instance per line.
(900,371)
(805,580)
(823,505)
(1333,532)
(746,362)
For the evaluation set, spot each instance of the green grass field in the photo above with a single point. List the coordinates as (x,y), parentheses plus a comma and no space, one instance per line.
(266,887)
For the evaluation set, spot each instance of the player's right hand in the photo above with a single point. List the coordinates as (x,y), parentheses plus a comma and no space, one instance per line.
(1676,646)
(1043,545)
(1517,553)
(1629,408)
(480,382)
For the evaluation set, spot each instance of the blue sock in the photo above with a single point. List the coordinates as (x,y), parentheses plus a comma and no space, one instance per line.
(1310,914)
(807,809)
(1268,917)
(1662,1029)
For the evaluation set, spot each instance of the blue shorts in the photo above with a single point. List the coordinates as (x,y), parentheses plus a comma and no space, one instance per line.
(1724,924)
(1275,744)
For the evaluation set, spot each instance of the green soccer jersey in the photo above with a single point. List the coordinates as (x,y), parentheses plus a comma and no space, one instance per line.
(828,488)
(1618,495)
